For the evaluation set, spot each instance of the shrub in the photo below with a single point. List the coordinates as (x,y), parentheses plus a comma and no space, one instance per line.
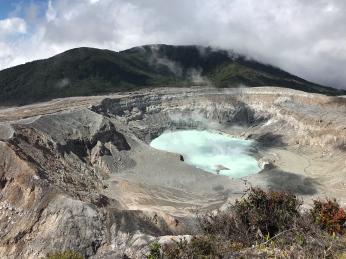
(197,247)
(259,215)
(270,212)
(154,251)
(329,216)
(265,224)
(306,240)
(65,255)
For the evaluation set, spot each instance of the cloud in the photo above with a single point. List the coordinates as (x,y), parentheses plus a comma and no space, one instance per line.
(306,38)
(12,26)
(51,13)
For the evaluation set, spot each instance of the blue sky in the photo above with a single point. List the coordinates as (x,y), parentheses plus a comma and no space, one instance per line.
(304,37)
(6,7)
(20,8)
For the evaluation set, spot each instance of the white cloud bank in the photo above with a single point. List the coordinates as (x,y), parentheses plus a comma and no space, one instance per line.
(304,37)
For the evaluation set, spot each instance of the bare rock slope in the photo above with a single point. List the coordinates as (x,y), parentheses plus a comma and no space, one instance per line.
(78,173)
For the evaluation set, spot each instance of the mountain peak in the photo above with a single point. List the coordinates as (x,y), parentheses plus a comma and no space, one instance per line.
(91,71)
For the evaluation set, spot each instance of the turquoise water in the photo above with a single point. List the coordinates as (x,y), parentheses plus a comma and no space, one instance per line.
(210,151)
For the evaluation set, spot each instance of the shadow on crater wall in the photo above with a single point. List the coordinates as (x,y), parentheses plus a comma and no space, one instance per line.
(278,180)
(245,116)
(269,140)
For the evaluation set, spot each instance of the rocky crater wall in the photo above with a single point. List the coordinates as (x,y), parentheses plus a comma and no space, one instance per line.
(309,119)
(78,173)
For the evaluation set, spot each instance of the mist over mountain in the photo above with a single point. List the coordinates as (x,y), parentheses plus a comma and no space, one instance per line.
(90,71)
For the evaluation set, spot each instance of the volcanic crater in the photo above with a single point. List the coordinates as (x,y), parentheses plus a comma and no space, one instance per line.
(82,170)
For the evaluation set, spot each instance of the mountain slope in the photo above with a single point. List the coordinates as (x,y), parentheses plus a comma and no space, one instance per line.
(88,71)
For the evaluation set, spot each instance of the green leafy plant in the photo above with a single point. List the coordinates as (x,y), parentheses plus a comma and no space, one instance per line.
(154,251)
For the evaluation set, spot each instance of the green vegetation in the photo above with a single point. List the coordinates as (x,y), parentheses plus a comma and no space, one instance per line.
(265,224)
(268,212)
(88,71)
(65,255)
(154,251)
